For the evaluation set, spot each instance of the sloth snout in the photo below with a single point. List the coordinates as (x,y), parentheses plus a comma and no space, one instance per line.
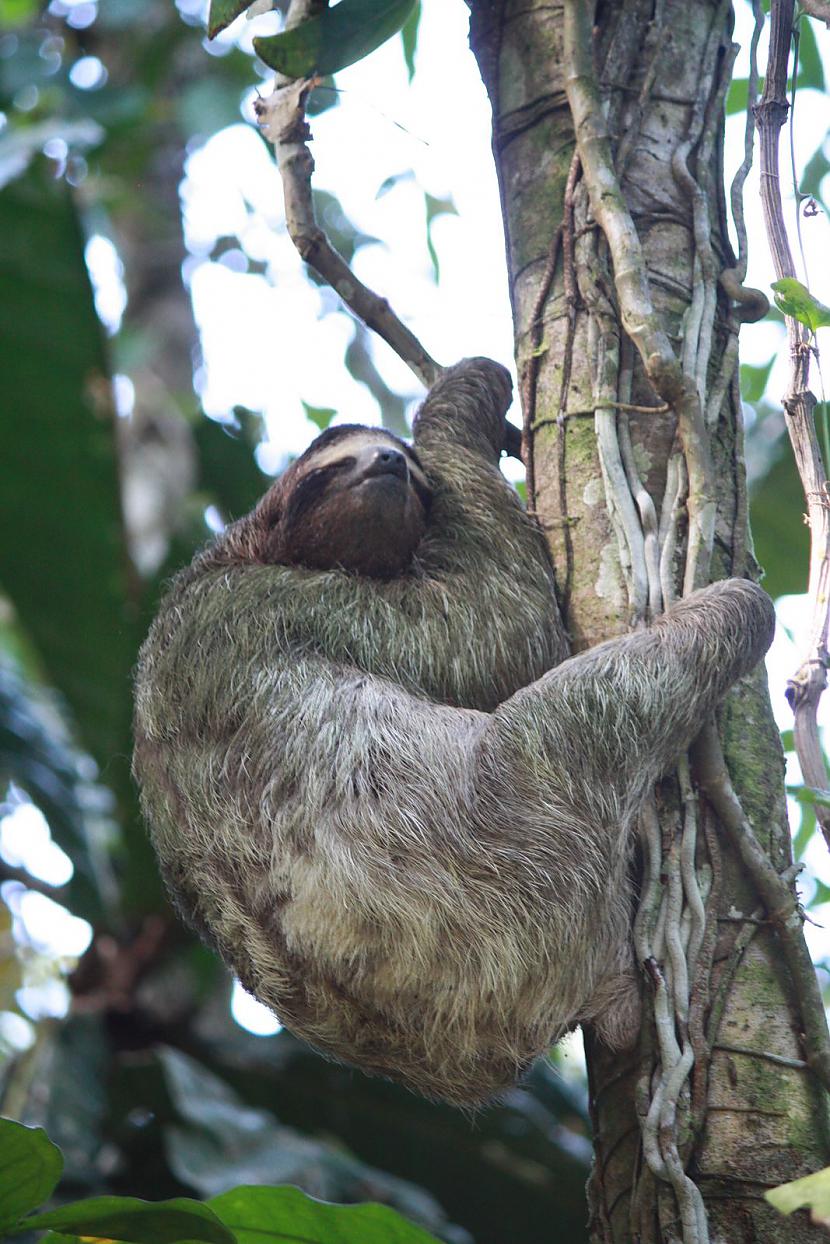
(386,461)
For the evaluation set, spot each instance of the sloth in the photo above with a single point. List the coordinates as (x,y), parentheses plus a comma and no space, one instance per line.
(376,782)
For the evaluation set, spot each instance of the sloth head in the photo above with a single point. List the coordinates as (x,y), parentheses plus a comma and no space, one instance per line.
(357,499)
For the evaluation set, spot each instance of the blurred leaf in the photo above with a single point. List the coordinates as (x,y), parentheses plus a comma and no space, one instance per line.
(815,170)
(230,1142)
(805,830)
(436,207)
(11,975)
(19,144)
(320,416)
(409,36)
(227,468)
(207,105)
(257,1215)
(134,1221)
(396,179)
(809,794)
(810,68)
(78,1103)
(36,755)
(795,299)
(336,38)
(754,380)
(737,96)
(812,1192)
(223,12)
(362,366)
(780,535)
(822,894)
(69,578)
(342,233)
(30,1167)
(17,12)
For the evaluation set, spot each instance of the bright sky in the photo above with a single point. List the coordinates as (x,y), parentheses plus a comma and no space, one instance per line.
(267,347)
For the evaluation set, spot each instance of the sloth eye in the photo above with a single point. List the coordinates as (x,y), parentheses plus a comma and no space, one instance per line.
(310,489)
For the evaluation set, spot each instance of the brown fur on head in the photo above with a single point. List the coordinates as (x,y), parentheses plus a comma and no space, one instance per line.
(357,499)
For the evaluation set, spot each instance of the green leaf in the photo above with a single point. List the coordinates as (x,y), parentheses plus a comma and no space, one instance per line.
(810,795)
(336,38)
(436,207)
(814,173)
(320,416)
(30,1167)
(17,12)
(810,68)
(795,299)
(822,894)
(737,96)
(812,1192)
(134,1221)
(223,12)
(782,540)
(409,37)
(272,1215)
(805,830)
(78,608)
(754,380)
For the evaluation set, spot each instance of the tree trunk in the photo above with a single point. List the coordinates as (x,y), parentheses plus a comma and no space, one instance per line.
(609,484)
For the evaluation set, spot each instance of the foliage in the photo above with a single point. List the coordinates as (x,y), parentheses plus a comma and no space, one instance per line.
(795,299)
(30,1167)
(812,1192)
(336,38)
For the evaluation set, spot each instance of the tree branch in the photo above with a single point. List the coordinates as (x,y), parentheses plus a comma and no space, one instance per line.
(805,688)
(282,120)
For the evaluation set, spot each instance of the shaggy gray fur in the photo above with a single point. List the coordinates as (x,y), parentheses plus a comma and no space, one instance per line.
(400,831)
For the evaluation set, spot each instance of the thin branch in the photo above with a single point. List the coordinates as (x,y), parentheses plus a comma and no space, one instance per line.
(805,688)
(282,120)
(779,1059)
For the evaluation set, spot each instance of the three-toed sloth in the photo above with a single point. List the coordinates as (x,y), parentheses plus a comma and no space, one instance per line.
(374,781)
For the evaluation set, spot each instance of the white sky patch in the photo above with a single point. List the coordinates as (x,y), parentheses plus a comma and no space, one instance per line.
(251,1014)
(107,275)
(16,1032)
(25,842)
(45,925)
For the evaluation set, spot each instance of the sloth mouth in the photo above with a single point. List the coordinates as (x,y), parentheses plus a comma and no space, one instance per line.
(389,473)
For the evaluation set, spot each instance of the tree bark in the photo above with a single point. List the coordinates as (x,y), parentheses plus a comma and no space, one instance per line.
(611,494)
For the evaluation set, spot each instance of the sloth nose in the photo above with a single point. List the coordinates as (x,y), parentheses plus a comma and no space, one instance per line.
(387,461)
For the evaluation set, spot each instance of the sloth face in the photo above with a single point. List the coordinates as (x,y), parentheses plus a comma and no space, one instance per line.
(357,499)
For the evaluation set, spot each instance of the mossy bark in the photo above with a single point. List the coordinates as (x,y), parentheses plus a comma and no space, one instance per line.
(756,1122)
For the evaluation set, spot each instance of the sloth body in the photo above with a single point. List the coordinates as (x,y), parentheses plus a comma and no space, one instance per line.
(383,794)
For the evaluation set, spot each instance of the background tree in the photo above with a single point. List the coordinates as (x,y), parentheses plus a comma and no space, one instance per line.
(144,1082)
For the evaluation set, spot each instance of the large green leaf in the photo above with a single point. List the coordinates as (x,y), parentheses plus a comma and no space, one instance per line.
(63,555)
(223,12)
(782,540)
(336,38)
(30,1167)
(271,1215)
(134,1221)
